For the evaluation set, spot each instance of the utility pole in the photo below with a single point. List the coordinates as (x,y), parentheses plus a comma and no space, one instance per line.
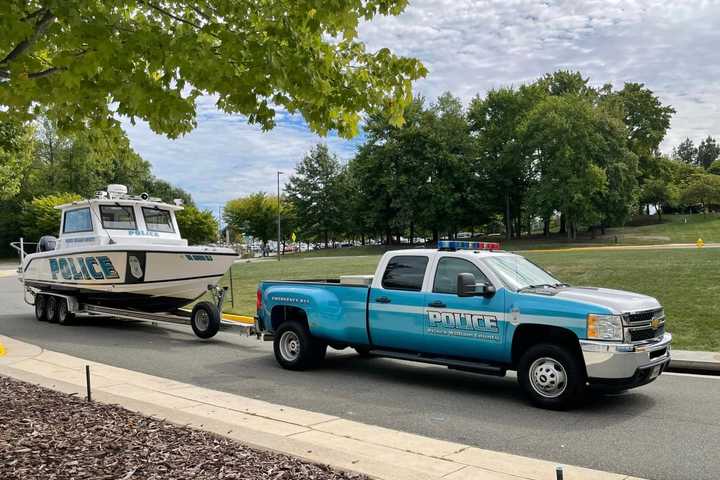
(278,208)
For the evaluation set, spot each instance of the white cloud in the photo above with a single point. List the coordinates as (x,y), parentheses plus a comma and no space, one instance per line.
(470,47)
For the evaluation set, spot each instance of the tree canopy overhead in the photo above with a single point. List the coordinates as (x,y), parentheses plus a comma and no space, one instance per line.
(84,61)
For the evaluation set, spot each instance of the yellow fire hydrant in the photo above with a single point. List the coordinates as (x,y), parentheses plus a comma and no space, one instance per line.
(700,243)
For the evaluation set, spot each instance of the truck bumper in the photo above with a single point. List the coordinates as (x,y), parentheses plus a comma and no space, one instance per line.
(625,365)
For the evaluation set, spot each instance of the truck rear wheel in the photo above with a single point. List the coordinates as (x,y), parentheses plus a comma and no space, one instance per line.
(40,307)
(205,320)
(295,348)
(551,376)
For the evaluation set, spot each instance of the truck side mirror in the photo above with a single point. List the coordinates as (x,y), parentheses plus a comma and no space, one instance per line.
(466,287)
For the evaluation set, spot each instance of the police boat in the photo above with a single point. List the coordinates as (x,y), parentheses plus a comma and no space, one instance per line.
(123,255)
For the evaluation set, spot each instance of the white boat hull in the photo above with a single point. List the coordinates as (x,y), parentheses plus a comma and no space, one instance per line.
(150,278)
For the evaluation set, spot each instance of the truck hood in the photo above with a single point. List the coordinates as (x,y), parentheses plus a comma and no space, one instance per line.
(618,301)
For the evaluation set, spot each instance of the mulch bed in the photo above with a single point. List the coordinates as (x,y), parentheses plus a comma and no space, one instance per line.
(50,435)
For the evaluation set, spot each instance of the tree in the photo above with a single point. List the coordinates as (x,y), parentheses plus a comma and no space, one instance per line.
(714,168)
(575,148)
(502,163)
(254,215)
(156,187)
(16,153)
(40,217)
(86,161)
(647,121)
(89,62)
(315,191)
(708,151)
(686,152)
(659,192)
(197,226)
(703,189)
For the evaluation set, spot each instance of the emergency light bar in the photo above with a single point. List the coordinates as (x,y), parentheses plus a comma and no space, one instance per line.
(459,245)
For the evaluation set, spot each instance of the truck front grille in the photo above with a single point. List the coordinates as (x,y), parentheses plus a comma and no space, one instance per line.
(645,325)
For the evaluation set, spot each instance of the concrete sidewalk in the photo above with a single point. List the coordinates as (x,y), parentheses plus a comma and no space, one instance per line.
(378,452)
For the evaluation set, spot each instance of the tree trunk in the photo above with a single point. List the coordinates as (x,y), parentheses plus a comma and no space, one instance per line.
(546,227)
(563,224)
(658,209)
(436,236)
(508,218)
(412,233)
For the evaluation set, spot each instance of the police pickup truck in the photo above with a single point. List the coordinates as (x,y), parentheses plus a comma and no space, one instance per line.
(471,307)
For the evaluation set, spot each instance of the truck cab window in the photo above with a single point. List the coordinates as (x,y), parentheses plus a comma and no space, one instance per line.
(77,221)
(405,273)
(447,271)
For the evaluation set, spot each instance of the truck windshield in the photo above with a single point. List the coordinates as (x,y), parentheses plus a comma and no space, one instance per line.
(519,272)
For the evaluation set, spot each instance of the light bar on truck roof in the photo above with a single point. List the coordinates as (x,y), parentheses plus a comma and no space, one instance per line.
(461,245)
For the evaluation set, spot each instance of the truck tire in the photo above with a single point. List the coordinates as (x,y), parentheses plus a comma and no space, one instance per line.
(64,316)
(205,320)
(40,307)
(51,308)
(295,348)
(552,376)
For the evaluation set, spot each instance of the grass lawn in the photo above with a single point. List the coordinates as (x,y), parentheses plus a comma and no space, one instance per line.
(687,282)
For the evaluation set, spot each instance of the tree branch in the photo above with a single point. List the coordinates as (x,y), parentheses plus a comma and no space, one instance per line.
(45,73)
(40,27)
(175,17)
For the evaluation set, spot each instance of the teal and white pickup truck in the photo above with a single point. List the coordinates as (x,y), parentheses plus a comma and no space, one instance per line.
(472,307)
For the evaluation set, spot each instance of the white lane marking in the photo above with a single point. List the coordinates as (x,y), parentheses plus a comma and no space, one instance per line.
(694,375)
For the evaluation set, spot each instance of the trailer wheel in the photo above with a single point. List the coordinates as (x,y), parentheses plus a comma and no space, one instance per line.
(64,316)
(295,348)
(205,320)
(51,309)
(40,307)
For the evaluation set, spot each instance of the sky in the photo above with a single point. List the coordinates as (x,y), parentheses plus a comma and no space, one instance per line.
(470,47)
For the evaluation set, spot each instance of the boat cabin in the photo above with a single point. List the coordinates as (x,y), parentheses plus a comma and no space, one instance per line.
(114,217)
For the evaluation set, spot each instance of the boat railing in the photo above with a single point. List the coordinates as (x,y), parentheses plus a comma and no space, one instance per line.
(19,246)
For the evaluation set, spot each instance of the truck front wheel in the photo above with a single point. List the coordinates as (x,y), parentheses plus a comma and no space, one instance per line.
(551,376)
(295,348)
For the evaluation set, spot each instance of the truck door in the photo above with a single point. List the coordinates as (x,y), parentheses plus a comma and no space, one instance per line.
(396,309)
(469,327)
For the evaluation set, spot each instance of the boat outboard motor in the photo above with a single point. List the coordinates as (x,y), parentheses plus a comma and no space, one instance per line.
(46,243)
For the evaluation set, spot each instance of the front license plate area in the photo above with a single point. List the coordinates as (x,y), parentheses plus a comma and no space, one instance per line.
(655,371)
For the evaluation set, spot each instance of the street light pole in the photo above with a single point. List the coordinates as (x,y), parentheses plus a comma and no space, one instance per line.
(278,208)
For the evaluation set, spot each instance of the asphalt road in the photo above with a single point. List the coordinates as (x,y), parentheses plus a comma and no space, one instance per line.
(669,429)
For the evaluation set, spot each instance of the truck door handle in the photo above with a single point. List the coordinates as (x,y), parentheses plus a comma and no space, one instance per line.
(382,300)
(437,304)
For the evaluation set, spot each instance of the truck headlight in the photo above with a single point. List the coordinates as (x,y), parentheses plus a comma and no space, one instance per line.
(604,327)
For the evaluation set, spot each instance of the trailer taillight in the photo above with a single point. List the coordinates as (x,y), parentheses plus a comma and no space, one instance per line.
(258,302)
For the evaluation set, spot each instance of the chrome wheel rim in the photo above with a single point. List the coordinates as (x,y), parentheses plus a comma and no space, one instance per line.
(289,346)
(548,377)
(202,320)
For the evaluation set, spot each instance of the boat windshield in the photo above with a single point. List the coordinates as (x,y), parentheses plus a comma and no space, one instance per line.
(158,220)
(118,217)
(520,272)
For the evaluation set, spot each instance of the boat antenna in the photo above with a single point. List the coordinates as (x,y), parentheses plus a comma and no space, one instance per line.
(111,241)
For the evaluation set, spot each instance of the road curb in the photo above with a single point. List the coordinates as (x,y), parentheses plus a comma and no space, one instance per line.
(694,362)
(347,445)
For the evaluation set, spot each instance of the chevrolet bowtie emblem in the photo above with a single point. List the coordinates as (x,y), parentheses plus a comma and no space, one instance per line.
(655,323)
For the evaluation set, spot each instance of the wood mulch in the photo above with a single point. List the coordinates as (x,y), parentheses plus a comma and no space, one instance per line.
(53,436)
